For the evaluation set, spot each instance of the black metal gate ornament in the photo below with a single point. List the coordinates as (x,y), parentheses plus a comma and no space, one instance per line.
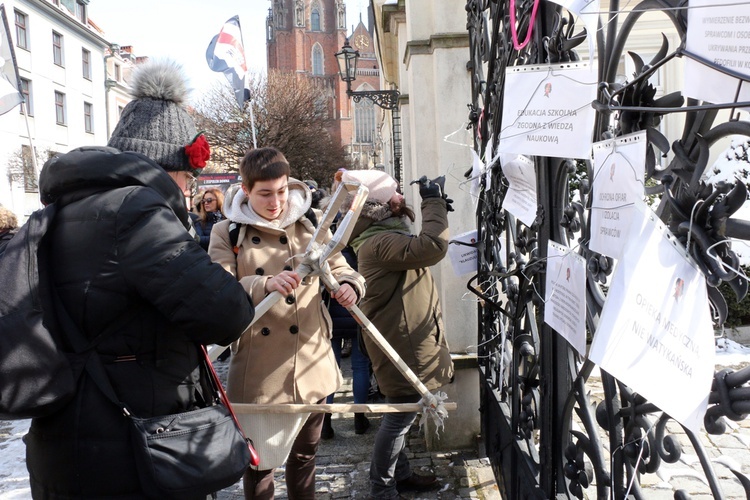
(547,433)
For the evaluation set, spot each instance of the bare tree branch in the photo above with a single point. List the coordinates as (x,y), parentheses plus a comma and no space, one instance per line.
(293,114)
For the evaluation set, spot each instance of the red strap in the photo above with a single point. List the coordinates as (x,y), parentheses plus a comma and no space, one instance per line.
(254,457)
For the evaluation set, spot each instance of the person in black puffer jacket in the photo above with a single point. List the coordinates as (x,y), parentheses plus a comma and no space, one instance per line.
(125,264)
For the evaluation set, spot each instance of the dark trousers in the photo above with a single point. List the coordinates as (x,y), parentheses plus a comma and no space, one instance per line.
(300,467)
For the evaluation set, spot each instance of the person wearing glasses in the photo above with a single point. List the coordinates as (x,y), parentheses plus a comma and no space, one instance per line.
(131,278)
(210,211)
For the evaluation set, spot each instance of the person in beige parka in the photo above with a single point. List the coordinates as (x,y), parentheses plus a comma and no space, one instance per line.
(286,356)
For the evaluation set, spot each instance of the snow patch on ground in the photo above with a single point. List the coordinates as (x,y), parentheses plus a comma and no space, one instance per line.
(14,478)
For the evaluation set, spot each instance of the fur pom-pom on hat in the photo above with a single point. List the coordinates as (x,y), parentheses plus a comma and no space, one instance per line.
(156,124)
(381,185)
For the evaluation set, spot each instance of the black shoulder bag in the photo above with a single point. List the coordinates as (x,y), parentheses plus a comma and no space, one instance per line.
(184,455)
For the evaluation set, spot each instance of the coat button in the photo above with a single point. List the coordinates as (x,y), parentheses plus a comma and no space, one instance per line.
(290,299)
(287,268)
(293,329)
(265,331)
(256,240)
(259,271)
(283,240)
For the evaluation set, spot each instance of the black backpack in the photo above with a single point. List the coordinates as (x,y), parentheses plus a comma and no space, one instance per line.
(38,377)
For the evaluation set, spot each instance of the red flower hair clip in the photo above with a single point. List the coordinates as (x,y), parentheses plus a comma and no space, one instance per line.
(198,152)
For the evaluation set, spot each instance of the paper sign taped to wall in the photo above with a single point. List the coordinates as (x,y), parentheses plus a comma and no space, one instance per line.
(655,332)
(464,259)
(565,300)
(719,33)
(521,198)
(547,110)
(619,170)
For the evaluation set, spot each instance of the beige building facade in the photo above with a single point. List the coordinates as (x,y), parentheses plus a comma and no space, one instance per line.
(424,47)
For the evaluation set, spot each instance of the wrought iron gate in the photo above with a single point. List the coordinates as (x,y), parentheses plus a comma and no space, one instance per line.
(534,386)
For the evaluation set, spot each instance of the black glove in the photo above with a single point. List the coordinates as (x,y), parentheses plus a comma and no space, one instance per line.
(434,188)
(430,188)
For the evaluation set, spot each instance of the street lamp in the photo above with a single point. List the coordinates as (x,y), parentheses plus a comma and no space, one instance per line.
(386,99)
(347,59)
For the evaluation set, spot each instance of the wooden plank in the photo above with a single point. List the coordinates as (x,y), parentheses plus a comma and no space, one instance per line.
(333,408)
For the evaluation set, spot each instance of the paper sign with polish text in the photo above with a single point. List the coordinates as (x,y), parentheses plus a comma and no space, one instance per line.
(464,258)
(520,199)
(619,171)
(565,294)
(719,33)
(655,332)
(547,110)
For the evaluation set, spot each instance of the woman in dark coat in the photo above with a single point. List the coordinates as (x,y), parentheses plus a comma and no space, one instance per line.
(125,267)
(210,211)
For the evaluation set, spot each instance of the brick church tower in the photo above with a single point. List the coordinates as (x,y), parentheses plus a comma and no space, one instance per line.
(303,36)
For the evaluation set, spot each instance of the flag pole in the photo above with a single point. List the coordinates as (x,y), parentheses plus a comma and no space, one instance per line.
(252,125)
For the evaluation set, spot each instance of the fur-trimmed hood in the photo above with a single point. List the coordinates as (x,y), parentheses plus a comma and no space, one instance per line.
(372,212)
(237,206)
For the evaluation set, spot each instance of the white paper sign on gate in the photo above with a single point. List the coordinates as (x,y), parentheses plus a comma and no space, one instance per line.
(655,332)
(463,257)
(547,110)
(718,32)
(619,170)
(521,198)
(565,300)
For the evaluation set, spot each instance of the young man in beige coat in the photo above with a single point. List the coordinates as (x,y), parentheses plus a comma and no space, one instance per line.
(286,356)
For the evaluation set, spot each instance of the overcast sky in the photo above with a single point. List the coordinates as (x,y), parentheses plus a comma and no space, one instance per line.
(182,30)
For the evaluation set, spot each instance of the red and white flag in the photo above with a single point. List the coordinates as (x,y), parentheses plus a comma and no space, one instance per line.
(10,97)
(226,54)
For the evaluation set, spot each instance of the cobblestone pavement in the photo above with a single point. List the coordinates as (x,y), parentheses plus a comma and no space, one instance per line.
(726,452)
(343,463)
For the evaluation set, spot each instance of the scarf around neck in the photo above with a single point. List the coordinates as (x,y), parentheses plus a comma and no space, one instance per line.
(390,225)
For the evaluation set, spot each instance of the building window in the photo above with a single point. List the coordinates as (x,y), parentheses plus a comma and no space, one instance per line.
(22,26)
(315,20)
(119,111)
(86,64)
(26,91)
(81,11)
(364,121)
(88,117)
(118,72)
(60,108)
(317,60)
(57,48)
(30,183)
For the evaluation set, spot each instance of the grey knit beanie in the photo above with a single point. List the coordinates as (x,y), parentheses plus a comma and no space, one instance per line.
(156,124)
